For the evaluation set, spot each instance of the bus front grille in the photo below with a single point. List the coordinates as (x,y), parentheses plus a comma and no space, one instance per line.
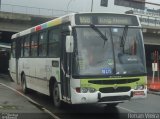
(114,90)
(114,81)
(114,98)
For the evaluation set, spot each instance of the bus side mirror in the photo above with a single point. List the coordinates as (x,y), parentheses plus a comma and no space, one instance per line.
(69,44)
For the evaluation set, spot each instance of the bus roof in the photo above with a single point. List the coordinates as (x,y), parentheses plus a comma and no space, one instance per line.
(45,25)
(55,22)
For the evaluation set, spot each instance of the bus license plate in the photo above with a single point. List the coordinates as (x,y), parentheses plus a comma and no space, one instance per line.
(137,93)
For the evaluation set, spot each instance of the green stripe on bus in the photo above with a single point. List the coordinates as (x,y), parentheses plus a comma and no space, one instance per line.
(85,82)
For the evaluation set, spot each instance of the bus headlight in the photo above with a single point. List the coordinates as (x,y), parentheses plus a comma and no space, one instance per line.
(139,87)
(91,90)
(84,90)
(87,90)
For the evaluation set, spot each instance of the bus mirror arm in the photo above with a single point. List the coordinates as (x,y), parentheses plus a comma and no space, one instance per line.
(69,44)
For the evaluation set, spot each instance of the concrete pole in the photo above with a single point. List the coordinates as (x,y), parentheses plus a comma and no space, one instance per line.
(0,5)
(92,6)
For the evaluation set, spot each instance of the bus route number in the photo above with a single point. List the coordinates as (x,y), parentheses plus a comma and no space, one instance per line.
(106,71)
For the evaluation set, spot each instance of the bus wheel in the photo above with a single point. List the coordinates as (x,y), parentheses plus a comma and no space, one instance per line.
(24,86)
(56,96)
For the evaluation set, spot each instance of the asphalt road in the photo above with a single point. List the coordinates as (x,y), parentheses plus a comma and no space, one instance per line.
(148,108)
(14,105)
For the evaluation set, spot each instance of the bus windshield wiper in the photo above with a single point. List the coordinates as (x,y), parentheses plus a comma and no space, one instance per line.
(99,32)
(123,37)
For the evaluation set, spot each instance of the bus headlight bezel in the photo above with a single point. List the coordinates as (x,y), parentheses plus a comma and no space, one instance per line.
(139,87)
(88,90)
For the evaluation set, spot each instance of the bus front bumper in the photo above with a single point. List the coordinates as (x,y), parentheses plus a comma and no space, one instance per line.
(98,97)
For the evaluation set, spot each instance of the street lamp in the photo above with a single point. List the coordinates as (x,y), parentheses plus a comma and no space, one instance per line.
(68,5)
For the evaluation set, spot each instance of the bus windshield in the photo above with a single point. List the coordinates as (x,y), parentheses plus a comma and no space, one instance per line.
(118,52)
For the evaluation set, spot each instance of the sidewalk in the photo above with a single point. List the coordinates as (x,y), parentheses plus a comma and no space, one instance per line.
(15,106)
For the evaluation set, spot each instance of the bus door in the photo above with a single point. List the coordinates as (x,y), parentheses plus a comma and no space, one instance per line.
(65,81)
(13,66)
(18,54)
(12,62)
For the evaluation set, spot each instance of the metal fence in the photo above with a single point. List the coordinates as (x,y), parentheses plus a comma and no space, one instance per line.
(33,10)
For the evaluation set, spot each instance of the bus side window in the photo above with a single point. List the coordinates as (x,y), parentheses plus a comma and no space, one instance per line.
(22,44)
(42,43)
(18,47)
(54,41)
(34,46)
(26,46)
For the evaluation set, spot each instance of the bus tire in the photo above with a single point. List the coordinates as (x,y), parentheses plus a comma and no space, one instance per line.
(56,96)
(24,85)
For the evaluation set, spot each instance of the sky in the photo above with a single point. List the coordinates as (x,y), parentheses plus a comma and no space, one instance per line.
(75,5)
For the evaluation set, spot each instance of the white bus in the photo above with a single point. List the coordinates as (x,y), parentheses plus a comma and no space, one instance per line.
(82,58)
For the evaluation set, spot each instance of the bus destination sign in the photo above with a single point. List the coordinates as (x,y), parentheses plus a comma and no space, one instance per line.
(85,19)
(106,19)
(114,20)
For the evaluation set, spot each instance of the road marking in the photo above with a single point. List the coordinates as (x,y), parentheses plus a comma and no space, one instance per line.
(126,109)
(32,101)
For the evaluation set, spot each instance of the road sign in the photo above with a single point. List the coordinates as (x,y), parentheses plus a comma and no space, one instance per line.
(138,4)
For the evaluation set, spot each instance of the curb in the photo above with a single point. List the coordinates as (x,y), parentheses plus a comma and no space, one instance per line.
(153,92)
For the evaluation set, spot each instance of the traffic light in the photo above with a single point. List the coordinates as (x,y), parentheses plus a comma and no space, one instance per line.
(138,4)
(104,3)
